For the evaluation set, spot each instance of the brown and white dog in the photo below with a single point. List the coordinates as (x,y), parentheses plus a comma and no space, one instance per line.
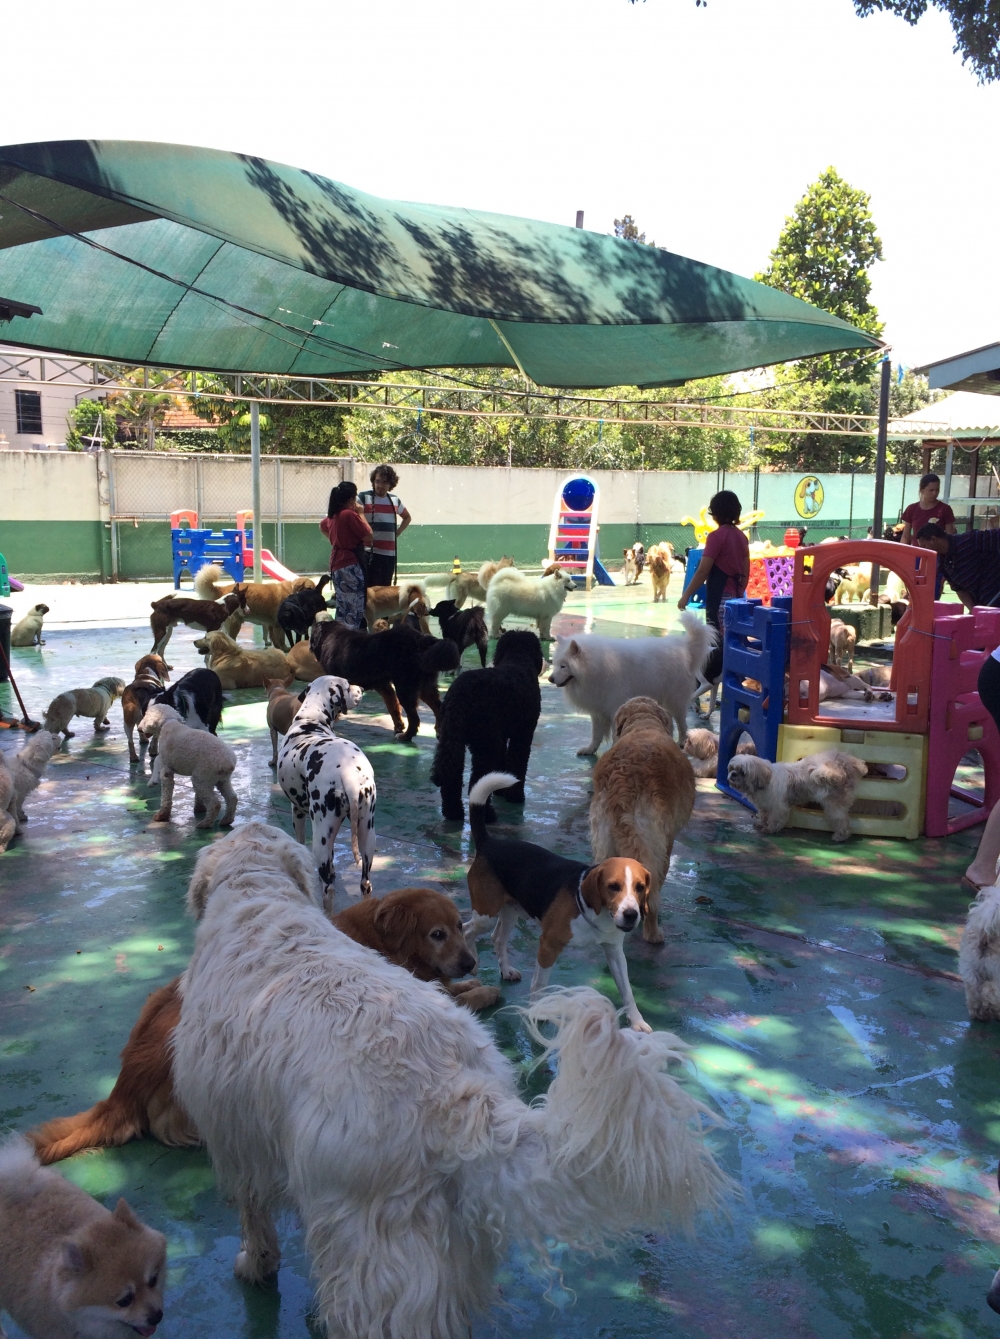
(393,602)
(152,674)
(263,599)
(282,707)
(643,795)
(204,615)
(571,900)
(660,560)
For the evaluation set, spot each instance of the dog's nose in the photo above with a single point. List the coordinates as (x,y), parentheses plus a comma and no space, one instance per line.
(154,1317)
(465,964)
(629,918)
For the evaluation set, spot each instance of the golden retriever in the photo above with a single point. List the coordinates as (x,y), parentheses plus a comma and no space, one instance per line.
(238,667)
(643,795)
(660,560)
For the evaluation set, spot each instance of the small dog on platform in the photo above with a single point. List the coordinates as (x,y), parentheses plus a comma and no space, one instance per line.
(94,702)
(68,1267)
(827,779)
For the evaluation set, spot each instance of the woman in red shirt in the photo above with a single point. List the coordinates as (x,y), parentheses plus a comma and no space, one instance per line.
(927,511)
(347,530)
(724,570)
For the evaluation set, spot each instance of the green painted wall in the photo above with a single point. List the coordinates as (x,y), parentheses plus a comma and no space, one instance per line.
(52,548)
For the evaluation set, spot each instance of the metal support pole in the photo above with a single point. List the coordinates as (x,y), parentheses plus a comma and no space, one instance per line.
(255,483)
(880,453)
(949,462)
(973,488)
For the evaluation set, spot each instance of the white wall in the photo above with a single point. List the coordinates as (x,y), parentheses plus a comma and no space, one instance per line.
(43,486)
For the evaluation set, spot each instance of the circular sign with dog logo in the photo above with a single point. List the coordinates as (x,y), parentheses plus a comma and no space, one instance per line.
(808,497)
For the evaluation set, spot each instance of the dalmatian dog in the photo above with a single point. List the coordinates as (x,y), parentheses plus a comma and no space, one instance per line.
(328,779)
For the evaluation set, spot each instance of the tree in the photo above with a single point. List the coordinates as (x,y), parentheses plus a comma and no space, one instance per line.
(90,424)
(138,412)
(628,230)
(975,24)
(306,429)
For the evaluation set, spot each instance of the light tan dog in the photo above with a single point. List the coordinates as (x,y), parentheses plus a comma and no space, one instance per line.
(94,702)
(854,585)
(263,599)
(659,560)
(25,772)
(702,750)
(68,1267)
(281,709)
(420,930)
(643,795)
(28,631)
(238,667)
(393,602)
(488,571)
(303,663)
(843,639)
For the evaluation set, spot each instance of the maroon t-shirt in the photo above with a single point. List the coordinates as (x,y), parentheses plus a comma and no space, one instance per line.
(345,531)
(729,550)
(915,516)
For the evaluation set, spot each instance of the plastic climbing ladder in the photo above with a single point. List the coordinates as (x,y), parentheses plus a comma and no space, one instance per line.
(573,541)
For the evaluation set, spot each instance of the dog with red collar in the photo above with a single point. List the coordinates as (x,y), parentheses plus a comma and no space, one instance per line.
(572,901)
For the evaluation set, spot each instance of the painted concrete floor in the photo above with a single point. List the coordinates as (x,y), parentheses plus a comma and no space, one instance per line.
(814,982)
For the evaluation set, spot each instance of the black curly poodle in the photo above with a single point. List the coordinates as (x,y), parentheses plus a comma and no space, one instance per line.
(492,712)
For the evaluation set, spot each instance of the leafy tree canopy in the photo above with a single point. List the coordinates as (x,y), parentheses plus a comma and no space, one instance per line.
(975,23)
(628,230)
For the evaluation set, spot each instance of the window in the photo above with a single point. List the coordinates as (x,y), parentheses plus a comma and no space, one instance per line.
(29,412)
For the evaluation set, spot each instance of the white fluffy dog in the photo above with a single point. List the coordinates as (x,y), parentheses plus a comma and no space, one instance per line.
(326,1079)
(600,674)
(541,598)
(18,778)
(979,956)
(827,779)
(205,758)
(328,778)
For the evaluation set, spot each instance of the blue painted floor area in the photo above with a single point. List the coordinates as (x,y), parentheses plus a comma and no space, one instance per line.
(815,984)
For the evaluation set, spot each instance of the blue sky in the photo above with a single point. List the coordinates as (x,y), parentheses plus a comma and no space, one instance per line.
(705,123)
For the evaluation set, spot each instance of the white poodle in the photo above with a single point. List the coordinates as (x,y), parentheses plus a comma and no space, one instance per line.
(18,778)
(827,779)
(205,758)
(540,598)
(328,778)
(327,1080)
(979,956)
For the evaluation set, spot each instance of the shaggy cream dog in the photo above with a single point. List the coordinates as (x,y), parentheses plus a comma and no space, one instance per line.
(660,561)
(28,632)
(328,779)
(843,639)
(827,779)
(643,795)
(540,598)
(19,776)
(702,749)
(329,1081)
(205,758)
(236,666)
(599,674)
(95,702)
(979,956)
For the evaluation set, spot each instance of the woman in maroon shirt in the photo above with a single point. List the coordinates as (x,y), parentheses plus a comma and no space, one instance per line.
(927,511)
(347,530)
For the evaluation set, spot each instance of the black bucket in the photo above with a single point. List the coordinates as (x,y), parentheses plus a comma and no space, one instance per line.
(5,616)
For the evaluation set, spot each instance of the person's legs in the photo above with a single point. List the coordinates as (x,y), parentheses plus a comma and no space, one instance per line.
(349,583)
(983,870)
(381,568)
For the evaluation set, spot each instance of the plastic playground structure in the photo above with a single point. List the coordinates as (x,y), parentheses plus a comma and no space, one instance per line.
(573,534)
(231,549)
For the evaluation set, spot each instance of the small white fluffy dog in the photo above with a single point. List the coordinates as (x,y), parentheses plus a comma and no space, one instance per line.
(327,1080)
(600,674)
(94,702)
(540,598)
(827,779)
(328,779)
(205,758)
(18,778)
(979,956)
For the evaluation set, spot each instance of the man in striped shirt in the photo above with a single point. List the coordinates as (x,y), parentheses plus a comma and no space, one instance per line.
(970,561)
(381,509)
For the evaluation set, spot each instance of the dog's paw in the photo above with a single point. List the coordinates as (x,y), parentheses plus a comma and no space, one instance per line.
(205,823)
(511,974)
(254,1271)
(588,752)
(841,836)
(639,1024)
(653,935)
(163,816)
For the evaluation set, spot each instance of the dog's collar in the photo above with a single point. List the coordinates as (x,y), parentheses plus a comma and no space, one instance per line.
(586,912)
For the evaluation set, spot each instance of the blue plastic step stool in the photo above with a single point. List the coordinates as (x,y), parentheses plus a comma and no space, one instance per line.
(755,644)
(193,548)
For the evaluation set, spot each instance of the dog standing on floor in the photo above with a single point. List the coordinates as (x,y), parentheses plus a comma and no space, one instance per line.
(464,627)
(827,779)
(643,796)
(151,676)
(389,1120)
(979,956)
(261,600)
(205,758)
(571,900)
(282,707)
(94,702)
(203,615)
(19,776)
(540,598)
(68,1267)
(660,561)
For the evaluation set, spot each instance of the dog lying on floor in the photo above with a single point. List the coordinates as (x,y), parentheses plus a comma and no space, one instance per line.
(237,666)
(389,1120)
(94,702)
(151,676)
(540,598)
(19,776)
(415,928)
(203,615)
(28,630)
(643,796)
(827,779)
(571,900)
(68,1267)
(262,600)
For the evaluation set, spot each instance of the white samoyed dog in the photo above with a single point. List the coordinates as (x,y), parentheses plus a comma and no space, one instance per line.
(510,591)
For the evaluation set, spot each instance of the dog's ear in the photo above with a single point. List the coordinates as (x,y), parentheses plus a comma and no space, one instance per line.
(201,881)
(297,863)
(125,1216)
(592,889)
(647,882)
(76,1258)
(574,648)
(396,922)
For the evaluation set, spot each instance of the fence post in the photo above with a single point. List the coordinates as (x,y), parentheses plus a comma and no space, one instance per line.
(109,572)
(255,483)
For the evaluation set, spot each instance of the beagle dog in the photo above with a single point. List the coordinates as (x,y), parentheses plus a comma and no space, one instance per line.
(571,900)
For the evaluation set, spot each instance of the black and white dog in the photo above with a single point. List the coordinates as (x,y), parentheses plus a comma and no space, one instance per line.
(297,612)
(197,699)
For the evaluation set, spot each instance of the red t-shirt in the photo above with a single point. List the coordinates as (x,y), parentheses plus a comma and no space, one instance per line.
(915,516)
(729,549)
(345,531)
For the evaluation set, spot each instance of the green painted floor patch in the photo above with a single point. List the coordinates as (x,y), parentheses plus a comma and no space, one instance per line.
(860,1109)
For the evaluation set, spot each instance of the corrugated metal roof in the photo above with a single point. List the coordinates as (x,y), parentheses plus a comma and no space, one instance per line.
(961,415)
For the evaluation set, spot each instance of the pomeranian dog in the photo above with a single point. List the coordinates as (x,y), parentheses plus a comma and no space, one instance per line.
(68,1267)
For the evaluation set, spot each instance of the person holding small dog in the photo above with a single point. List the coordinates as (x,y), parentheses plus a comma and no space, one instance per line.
(724,570)
(381,508)
(929,510)
(348,531)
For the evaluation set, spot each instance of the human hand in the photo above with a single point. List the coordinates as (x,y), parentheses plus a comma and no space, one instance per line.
(682,603)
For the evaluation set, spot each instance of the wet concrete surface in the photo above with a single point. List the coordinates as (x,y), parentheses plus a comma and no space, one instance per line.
(815,984)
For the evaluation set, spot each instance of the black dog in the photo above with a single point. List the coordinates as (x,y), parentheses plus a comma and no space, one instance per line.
(493,712)
(401,665)
(297,613)
(464,627)
(197,694)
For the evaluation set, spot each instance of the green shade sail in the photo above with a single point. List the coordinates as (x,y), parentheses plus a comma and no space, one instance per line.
(186,257)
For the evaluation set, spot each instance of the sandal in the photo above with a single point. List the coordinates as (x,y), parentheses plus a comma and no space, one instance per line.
(974,888)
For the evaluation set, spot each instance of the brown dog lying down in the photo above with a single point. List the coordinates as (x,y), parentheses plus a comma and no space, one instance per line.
(415,928)
(238,666)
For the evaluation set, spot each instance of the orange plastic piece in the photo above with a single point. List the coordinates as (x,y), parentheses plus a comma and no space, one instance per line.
(177,516)
(758,587)
(810,640)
